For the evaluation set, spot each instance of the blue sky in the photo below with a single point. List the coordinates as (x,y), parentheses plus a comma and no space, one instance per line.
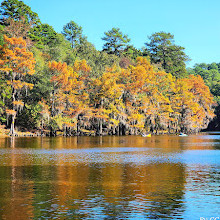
(195,24)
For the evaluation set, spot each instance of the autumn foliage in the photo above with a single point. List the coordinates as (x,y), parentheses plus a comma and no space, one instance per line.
(132,100)
(121,101)
(127,101)
(59,83)
(16,62)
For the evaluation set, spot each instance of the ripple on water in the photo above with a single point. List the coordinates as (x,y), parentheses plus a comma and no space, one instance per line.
(164,177)
(93,155)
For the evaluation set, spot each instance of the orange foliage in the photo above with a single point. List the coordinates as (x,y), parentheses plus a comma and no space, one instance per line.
(69,98)
(16,62)
(15,58)
(10,112)
(18,103)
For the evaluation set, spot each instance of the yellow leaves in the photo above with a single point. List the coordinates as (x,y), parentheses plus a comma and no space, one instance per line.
(81,65)
(5,69)
(102,113)
(1,62)
(114,122)
(63,121)
(10,112)
(136,96)
(15,58)
(58,67)
(18,45)
(18,84)
(138,125)
(163,96)
(97,82)
(45,113)
(136,117)
(167,108)
(70,97)
(64,76)
(70,124)
(107,86)
(192,101)
(142,61)
(18,103)
(15,41)
(139,78)
(31,72)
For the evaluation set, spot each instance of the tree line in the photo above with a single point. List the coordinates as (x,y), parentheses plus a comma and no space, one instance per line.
(58,82)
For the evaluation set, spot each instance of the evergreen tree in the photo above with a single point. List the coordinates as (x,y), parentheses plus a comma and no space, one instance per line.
(17,9)
(116,41)
(73,33)
(1,35)
(43,34)
(163,51)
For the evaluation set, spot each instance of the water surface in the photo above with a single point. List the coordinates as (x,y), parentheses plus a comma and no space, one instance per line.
(110,177)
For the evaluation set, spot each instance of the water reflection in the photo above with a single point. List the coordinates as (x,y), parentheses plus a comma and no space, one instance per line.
(209,141)
(82,190)
(109,178)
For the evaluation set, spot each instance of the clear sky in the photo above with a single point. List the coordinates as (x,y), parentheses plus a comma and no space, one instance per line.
(195,24)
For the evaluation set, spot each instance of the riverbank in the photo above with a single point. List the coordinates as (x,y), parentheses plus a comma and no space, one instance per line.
(6,133)
(83,132)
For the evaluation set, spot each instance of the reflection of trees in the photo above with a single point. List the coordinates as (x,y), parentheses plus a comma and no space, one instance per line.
(76,190)
(117,190)
(157,189)
(167,197)
(16,184)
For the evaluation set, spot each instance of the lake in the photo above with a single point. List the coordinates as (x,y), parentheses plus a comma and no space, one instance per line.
(110,177)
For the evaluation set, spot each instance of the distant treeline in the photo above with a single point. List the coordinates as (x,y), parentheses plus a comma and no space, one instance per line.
(58,82)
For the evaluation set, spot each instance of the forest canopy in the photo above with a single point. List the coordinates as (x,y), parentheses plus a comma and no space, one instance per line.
(59,83)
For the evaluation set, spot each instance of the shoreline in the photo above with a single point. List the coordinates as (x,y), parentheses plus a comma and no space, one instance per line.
(5,133)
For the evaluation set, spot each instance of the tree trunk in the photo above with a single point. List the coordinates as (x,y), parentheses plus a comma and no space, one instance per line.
(72,42)
(100,126)
(12,131)
(78,126)
(53,107)
(64,131)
